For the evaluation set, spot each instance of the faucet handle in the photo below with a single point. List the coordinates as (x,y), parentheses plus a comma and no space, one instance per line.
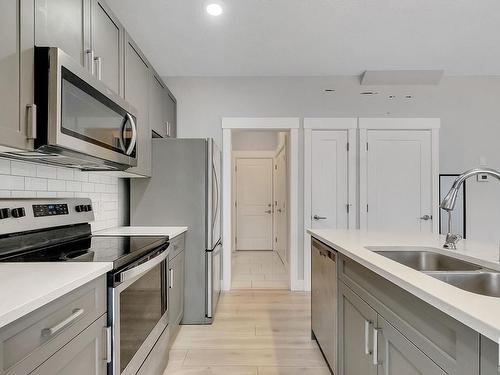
(451,241)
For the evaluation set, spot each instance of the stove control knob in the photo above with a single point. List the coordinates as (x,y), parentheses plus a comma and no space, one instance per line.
(18,212)
(89,207)
(79,208)
(4,213)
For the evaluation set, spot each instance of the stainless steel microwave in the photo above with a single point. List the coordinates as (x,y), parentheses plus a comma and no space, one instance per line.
(80,122)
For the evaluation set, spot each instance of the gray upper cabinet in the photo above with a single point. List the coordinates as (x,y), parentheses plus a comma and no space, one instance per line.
(156,107)
(65,24)
(171,114)
(357,321)
(397,355)
(107,46)
(137,92)
(16,71)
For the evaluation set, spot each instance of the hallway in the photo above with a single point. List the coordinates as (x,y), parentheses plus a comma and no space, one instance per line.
(258,270)
(254,333)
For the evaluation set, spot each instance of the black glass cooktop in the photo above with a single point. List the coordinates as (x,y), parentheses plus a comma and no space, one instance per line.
(119,250)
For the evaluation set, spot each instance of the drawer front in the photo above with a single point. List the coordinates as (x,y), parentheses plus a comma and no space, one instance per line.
(84,355)
(449,343)
(29,341)
(177,244)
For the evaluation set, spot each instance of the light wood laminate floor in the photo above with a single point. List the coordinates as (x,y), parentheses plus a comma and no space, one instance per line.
(258,270)
(255,332)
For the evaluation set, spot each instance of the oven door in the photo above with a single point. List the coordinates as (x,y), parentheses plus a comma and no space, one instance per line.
(81,114)
(139,312)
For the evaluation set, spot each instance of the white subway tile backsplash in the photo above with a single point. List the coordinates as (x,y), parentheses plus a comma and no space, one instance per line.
(35,183)
(46,172)
(56,185)
(30,180)
(65,173)
(8,182)
(4,166)
(4,193)
(19,168)
(73,186)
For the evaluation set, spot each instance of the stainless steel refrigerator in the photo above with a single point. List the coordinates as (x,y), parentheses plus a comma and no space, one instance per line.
(184,190)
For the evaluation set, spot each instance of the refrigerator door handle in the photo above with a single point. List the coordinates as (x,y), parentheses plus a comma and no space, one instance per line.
(209,290)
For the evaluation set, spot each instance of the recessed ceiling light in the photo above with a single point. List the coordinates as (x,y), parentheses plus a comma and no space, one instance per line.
(214,9)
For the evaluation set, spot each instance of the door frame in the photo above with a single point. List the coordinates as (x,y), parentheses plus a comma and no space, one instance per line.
(317,124)
(290,124)
(243,155)
(430,124)
(282,147)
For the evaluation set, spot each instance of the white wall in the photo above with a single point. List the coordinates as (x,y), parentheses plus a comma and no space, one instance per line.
(469,108)
(255,140)
(28,180)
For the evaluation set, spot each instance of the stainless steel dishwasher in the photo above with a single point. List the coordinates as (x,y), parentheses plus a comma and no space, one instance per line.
(324,300)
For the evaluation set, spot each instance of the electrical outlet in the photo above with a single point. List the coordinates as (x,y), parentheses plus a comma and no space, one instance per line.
(482,177)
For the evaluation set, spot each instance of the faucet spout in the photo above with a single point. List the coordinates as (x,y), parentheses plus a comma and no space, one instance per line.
(449,201)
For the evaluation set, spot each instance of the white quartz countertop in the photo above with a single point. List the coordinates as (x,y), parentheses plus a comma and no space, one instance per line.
(481,313)
(24,287)
(171,232)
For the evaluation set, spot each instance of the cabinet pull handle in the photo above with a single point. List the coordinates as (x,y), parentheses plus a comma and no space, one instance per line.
(31,121)
(109,339)
(98,62)
(90,60)
(47,332)
(375,346)
(316,217)
(367,337)
(171,278)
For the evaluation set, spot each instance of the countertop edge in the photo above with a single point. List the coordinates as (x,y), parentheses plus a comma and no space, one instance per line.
(32,305)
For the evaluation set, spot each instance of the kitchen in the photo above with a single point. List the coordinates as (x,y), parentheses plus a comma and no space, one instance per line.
(116,200)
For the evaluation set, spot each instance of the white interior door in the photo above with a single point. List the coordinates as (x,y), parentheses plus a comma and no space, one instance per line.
(399,180)
(254,198)
(329,179)
(280,205)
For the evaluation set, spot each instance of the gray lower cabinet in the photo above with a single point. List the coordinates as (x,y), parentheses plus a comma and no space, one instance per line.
(71,326)
(137,92)
(84,355)
(358,320)
(16,71)
(176,292)
(397,355)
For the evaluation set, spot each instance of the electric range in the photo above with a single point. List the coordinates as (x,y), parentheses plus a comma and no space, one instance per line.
(58,230)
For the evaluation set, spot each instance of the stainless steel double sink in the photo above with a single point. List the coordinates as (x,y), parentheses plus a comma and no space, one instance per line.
(456,272)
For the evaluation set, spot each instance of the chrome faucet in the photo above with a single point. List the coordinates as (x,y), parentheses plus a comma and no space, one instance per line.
(448,203)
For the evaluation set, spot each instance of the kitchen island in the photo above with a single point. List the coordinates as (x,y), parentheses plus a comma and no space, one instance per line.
(394,318)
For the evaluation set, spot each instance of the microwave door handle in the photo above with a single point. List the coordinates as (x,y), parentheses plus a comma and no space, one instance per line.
(134,135)
(142,268)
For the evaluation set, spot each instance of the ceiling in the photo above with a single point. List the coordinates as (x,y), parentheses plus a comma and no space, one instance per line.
(315,37)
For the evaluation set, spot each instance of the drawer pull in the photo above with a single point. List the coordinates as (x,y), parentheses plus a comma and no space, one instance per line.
(375,346)
(171,278)
(367,337)
(47,332)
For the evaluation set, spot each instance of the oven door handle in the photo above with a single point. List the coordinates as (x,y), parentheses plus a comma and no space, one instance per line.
(142,268)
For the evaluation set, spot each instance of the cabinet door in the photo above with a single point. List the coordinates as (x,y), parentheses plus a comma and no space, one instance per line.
(16,71)
(176,289)
(107,44)
(356,323)
(170,114)
(397,355)
(137,83)
(84,355)
(156,107)
(324,301)
(64,24)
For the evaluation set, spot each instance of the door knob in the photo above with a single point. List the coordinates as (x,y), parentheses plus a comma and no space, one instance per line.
(316,217)
(279,210)
(426,217)
(269,211)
